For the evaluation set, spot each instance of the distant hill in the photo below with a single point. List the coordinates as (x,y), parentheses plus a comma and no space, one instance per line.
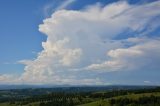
(93,87)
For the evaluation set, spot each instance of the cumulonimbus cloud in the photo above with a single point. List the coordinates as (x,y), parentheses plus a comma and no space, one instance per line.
(80,40)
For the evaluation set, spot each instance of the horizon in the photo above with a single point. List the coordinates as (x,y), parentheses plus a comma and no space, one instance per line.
(106,87)
(79,42)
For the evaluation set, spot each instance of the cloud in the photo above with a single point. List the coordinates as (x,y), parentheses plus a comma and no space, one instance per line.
(25,62)
(147,82)
(78,41)
(136,57)
(52,6)
(9,63)
(48,8)
(65,4)
(9,79)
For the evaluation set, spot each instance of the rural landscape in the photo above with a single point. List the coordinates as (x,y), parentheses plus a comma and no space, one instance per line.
(82,96)
(79,52)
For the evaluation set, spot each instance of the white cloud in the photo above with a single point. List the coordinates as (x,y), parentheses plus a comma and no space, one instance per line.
(9,79)
(52,6)
(147,82)
(142,55)
(78,39)
(25,62)
(65,4)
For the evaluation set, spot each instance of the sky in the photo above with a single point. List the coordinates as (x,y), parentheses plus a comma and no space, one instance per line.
(80,42)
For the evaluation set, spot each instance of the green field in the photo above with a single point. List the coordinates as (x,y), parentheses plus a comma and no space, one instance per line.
(105,102)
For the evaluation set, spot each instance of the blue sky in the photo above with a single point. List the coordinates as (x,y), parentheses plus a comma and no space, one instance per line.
(84,42)
(19,36)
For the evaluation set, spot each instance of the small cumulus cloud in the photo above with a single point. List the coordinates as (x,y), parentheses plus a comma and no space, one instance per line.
(147,82)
